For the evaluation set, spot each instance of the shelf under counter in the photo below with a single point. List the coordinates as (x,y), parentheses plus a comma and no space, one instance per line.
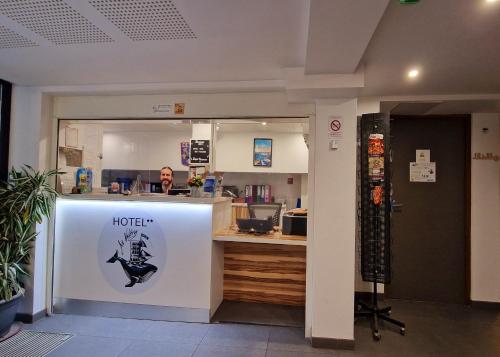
(231,235)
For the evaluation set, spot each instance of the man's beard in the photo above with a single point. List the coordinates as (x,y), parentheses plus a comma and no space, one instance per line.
(166,183)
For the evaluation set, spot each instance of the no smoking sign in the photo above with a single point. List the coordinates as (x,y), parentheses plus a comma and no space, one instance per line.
(335,127)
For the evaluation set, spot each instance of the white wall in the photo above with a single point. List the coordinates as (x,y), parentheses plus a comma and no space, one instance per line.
(485,210)
(148,150)
(234,152)
(331,249)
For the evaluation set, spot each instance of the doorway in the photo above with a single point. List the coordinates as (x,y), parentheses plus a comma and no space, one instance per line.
(429,236)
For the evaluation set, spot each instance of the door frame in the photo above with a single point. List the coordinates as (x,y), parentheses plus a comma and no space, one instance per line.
(467,190)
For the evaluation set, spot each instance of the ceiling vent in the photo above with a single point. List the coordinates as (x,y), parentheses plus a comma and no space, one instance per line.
(146,20)
(54,20)
(11,39)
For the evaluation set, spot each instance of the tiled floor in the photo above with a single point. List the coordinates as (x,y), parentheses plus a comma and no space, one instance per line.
(260,314)
(432,330)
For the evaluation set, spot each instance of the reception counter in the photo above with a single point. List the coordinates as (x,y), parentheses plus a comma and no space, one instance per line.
(149,256)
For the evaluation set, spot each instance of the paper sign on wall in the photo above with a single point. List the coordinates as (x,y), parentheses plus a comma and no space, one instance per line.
(423,155)
(335,129)
(422,172)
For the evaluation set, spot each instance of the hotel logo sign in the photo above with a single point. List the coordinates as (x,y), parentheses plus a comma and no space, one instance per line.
(131,251)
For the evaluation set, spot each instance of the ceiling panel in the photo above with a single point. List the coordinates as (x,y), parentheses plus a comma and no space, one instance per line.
(54,20)
(142,20)
(11,39)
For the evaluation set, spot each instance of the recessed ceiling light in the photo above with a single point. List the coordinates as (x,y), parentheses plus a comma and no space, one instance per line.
(264,123)
(491,0)
(217,127)
(413,73)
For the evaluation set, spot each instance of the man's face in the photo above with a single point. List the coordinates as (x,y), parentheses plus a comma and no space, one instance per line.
(166,176)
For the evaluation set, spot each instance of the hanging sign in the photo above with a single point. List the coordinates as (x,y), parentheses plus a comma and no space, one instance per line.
(335,129)
(200,152)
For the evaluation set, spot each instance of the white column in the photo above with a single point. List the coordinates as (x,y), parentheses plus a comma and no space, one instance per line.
(331,247)
(29,144)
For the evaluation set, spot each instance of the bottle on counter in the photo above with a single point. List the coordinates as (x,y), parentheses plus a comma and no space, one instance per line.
(84,179)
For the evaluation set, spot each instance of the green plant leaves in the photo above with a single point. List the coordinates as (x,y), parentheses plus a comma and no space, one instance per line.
(25,200)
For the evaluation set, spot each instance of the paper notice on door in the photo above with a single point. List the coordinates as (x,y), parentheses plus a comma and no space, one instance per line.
(422,172)
(423,156)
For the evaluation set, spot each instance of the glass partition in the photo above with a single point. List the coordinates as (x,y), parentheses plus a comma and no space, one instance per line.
(249,155)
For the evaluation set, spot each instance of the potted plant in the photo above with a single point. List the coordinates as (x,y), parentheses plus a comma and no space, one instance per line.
(25,199)
(195,183)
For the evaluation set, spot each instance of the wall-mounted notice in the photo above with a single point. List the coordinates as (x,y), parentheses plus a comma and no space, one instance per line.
(422,172)
(200,152)
(335,127)
(423,155)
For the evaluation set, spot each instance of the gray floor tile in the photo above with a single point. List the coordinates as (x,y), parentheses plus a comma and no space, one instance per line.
(276,353)
(92,325)
(235,335)
(290,339)
(62,323)
(158,349)
(225,351)
(91,346)
(177,332)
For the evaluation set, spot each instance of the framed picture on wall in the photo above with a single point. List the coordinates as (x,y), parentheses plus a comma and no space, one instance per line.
(262,152)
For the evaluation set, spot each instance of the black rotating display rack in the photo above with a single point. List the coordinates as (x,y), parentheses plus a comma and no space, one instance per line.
(376,215)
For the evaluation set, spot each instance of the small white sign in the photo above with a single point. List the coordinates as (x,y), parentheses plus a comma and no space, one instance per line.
(422,172)
(335,127)
(423,156)
(162,108)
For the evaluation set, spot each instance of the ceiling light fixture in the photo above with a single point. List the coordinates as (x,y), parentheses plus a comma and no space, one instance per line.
(490,1)
(413,73)
(264,123)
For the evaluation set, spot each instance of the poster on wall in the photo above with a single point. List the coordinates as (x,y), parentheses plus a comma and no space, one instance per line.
(200,152)
(422,172)
(185,153)
(262,152)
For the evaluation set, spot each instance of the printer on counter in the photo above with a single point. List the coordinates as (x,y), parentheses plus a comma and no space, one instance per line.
(295,222)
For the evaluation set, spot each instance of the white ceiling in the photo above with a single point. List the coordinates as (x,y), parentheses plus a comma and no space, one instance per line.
(455,43)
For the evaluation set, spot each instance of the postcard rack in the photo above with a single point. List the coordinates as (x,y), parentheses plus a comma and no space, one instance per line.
(375,215)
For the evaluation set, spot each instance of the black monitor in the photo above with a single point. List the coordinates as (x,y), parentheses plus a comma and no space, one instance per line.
(265,210)
(179,191)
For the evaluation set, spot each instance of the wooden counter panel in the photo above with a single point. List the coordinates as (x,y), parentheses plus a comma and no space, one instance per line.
(267,273)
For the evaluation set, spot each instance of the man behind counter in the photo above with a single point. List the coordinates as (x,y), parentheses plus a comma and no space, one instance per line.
(166,178)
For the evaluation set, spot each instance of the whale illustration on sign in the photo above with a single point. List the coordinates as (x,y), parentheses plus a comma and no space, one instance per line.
(136,268)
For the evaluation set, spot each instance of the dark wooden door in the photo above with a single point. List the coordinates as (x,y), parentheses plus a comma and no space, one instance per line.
(428,235)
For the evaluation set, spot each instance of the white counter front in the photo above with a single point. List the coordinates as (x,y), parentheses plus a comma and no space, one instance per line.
(142,257)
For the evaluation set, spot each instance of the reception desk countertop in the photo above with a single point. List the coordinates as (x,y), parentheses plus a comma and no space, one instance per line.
(231,235)
(145,197)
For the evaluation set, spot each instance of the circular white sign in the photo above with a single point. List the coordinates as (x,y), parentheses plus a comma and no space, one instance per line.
(132,251)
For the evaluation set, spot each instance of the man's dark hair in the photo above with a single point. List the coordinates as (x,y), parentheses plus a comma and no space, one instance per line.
(167,167)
